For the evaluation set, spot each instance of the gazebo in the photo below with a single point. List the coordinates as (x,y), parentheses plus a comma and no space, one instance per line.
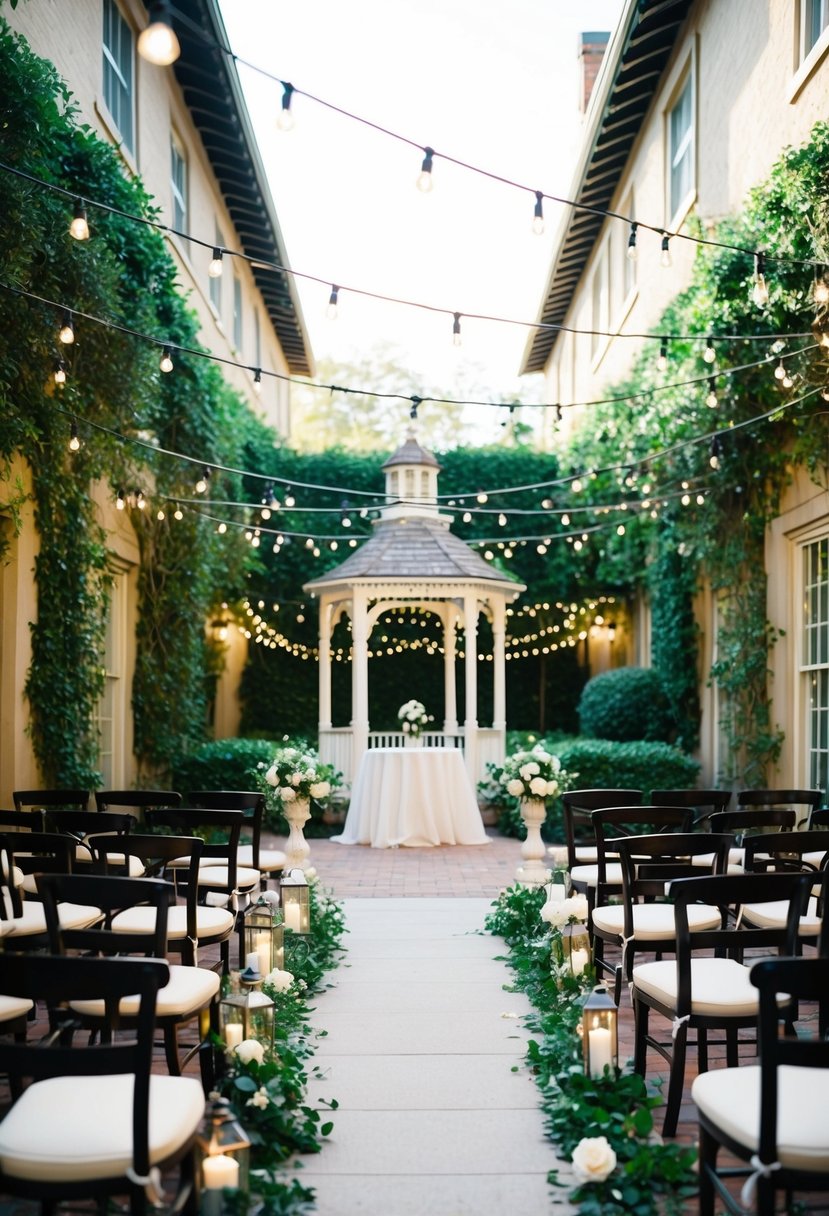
(414,560)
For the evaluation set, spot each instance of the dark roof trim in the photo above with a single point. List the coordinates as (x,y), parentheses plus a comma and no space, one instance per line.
(212,92)
(633,66)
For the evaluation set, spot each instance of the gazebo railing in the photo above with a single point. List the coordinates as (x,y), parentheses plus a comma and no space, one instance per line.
(429,738)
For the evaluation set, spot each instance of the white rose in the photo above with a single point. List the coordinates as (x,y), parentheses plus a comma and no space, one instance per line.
(271,777)
(320,789)
(287,793)
(311,874)
(538,786)
(525,772)
(259,1099)
(280,980)
(559,856)
(593,1159)
(515,787)
(406,727)
(552,788)
(554,912)
(250,1049)
(578,904)
(296,778)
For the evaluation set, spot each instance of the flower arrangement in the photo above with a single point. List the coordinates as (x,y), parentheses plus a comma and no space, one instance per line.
(533,774)
(413,718)
(296,772)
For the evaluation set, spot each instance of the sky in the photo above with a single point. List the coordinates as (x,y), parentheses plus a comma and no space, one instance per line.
(493,83)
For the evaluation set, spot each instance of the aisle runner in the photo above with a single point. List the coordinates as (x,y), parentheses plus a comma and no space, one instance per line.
(432,1121)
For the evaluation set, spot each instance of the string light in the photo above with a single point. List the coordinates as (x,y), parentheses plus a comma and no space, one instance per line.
(74,441)
(157,43)
(140,500)
(456,330)
(714,458)
(760,290)
(632,252)
(711,397)
(216,265)
(204,478)
(257,381)
(165,363)
(285,122)
(416,401)
(665,258)
(160,514)
(120,501)
(424,178)
(178,513)
(662,361)
(538,214)
(709,354)
(787,380)
(79,228)
(67,330)
(60,372)
(333,311)
(780,370)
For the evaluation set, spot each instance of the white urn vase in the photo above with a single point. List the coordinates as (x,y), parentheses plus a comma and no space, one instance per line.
(297,849)
(533,872)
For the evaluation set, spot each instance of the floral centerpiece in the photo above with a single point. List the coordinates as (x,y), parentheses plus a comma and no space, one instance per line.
(296,772)
(413,718)
(533,774)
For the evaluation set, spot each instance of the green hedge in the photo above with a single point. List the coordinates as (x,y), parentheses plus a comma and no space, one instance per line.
(626,704)
(224,764)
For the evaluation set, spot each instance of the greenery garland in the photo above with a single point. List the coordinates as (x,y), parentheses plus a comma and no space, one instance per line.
(645,1175)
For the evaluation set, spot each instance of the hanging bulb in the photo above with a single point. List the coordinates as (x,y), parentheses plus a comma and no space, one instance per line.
(502,520)
(662,361)
(467,517)
(204,477)
(67,332)
(821,288)
(714,458)
(60,372)
(709,354)
(257,381)
(760,290)
(711,398)
(140,500)
(216,265)
(780,371)
(424,179)
(178,513)
(632,253)
(290,501)
(79,228)
(665,258)
(160,515)
(576,486)
(821,332)
(456,330)
(74,441)
(120,501)
(165,363)
(333,311)
(538,214)
(482,497)
(157,43)
(285,122)
(787,381)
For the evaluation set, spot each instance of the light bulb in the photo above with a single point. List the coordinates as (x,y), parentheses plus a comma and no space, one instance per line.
(482,497)
(565,520)
(780,371)
(120,501)
(333,311)
(216,265)
(160,515)
(74,441)
(821,291)
(165,363)
(709,354)
(257,381)
(787,381)
(576,486)
(662,361)
(538,214)
(711,398)
(79,228)
(632,254)
(67,332)
(60,371)
(760,290)
(714,460)
(290,501)
(824,392)
(178,513)
(201,484)
(620,531)
(456,330)
(686,500)
(157,43)
(285,122)
(665,258)
(502,520)
(467,517)
(424,178)
(140,500)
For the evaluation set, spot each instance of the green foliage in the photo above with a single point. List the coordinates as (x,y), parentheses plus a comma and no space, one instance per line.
(624,704)
(650,1178)
(223,764)
(601,763)
(310,959)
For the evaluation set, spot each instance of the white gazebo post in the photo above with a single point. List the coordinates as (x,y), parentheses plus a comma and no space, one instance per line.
(359,677)
(325,665)
(450,697)
(499,686)
(470,624)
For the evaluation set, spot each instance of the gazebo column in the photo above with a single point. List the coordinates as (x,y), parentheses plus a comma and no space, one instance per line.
(325,666)
(499,687)
(359,678)
(470,621)
(450,696)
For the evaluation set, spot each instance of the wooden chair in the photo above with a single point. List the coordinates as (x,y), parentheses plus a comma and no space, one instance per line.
(41,800)
(775,1114)
(704,803)
(703,993)
(80,824)
(137,802)
(798,852)
(22,821)
(191,993)
(94,1122)
(269,862)
(23,920)
(802,802)
(580,834)
(777,819)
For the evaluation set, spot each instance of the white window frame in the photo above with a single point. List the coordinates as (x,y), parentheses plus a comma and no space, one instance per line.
(807,57)
(118,69)
(179,190)
(677,207)
(810,667)
(238,328)
(111,711)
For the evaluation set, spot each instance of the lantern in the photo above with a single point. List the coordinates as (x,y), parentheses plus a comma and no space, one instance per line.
(296,906)
(247,1012)
(600,1040)
(575,942)
(263,934)
(222,1155)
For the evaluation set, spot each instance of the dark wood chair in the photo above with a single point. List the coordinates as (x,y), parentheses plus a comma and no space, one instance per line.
(269,862)
(761,819)
(706,987)
(22,920)
(704,803)
(80,824)
(40,800)
(802,802)
(580,833)
(773,1115)
(137,802)
(94,1122)
(798,852)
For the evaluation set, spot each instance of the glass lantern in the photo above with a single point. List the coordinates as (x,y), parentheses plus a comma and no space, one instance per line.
(600,1038)
(296,905)
(575,942)
(263,936)
(222,1155)
(246,1013)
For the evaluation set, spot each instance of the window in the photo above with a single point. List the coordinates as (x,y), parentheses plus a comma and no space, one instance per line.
(681,147)
(237,312)
(814,18)
(178,182)
(815,663)
(118,73)
(216,284)
(110,718)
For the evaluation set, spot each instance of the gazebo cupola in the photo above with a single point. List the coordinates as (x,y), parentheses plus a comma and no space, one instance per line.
(411,481)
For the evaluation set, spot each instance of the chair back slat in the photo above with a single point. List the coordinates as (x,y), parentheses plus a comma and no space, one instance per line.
(112,895)
(806,800)
(577,809)
(704,803)
(39,800)
(650,863)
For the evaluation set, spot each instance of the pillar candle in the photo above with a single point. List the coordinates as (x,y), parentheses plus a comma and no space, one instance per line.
(556,892)
(600,1050)
(233,1034)
(578,961)
(263,951)
(252,961)
(292,917)
(219,1172)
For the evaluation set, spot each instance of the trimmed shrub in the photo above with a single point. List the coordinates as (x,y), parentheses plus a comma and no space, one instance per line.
(624,704)
(224,764)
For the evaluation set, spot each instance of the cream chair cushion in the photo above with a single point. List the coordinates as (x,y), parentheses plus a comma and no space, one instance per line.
(135,866)
(654,922)
(590,874)
(217,876)
(189,990)
(730,1098)
(210,922)
(269,859)
(772,915)
(736,860)
(33,919)
(719,986)
(67,1129)
(12,1007)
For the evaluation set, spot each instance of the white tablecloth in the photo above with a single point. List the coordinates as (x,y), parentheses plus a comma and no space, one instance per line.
(412,796)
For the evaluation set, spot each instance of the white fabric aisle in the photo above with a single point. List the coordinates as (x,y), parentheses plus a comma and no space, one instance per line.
(432,1119)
